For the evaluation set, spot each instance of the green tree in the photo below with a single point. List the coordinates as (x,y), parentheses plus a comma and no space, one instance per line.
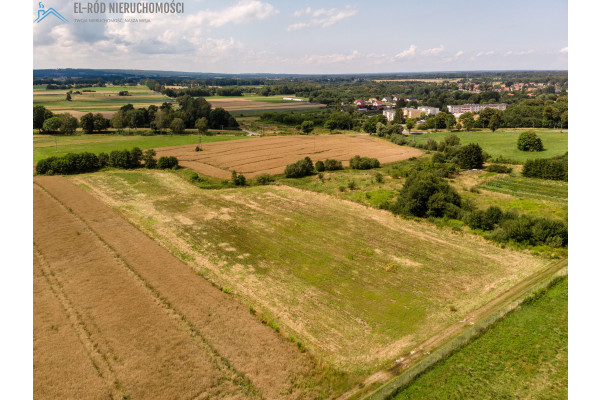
(40,114)
(450,121)
(87,123)
(100,123)
(177,126)
(494,122)
(529,141)
(52,124)
(202,125)
(118,120)
(307,127)
(162,120)
(410,124)
(68,124)
(470,157)
(467,120)
(68,96)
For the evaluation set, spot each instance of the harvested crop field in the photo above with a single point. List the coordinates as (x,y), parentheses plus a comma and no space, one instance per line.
(116,315)
(356,286)
(271,154)
(241,104)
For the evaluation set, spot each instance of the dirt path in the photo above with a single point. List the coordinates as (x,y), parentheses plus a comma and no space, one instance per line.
(164,331)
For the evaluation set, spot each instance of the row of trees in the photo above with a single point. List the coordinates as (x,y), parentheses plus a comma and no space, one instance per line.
(193,113)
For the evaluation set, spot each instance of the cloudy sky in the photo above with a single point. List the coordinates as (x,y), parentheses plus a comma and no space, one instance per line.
(312,37)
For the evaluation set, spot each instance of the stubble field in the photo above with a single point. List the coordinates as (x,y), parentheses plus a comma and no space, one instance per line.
(271,154)
(109,305)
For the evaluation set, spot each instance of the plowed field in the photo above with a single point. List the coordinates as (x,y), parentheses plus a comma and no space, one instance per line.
(115,314)
(272,154)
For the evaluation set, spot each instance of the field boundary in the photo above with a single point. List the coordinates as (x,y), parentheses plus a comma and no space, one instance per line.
(542,280)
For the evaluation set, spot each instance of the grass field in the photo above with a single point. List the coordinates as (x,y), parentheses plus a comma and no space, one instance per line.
(44,145)
(504,144)
(529,187)
(357,286)
(524,356)
(105,100)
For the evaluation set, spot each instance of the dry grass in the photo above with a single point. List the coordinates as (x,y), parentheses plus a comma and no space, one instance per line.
(241,104)
(162,330)
(272,154)
(358,286)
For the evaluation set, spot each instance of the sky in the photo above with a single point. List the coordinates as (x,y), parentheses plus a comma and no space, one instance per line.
(311,37)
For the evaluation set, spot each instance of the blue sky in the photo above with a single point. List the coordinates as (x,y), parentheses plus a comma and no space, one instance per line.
(314,37)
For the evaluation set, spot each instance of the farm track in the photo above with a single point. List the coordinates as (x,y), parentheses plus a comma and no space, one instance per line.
(151,334)
(443,336)
(272,154)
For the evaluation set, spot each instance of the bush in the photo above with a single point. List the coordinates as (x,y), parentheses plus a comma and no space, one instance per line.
(319,166)
(332,165)
(452,140)
(547,168)
(427,195)
(119,159)
(358,162)
(501,169)
(263,179)
(238,180)
(485,220)
(148,158)
(379,177)
(529,141)
(431,144)
(168,162)
(534,231)
(197,148)
(299,169)
(352,185)
(470,157)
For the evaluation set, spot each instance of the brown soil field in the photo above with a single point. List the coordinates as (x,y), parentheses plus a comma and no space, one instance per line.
(272,154)
(115,313)
(237,104)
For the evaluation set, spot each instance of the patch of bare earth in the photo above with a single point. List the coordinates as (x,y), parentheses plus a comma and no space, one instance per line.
(272,154)
(160,330)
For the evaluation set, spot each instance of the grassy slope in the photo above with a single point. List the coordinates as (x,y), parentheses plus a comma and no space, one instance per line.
(43,145)
(505,143)
(524,356)
(356,286)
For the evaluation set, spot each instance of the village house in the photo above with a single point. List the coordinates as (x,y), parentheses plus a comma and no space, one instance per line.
(411,112)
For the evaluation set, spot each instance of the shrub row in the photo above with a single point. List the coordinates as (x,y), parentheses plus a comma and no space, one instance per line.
(358,162)
(548,168)
(328,165)
(76,163)
(501,169)
(299,169)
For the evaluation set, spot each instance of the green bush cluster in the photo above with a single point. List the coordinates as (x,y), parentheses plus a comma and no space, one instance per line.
(358,162)
(167,162)
(263,179)
(72,163)
(299,169)
(501,169)
(427,195)
(238,179)
(76,163)
(556,168)
(530,230)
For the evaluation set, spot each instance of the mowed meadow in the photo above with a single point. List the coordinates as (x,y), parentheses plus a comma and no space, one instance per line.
(355,286)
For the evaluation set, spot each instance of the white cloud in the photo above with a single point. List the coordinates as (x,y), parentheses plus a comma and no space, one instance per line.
(433,51)
(165,34)
(459,53)
(518,53)
(329,59)
(321,18)
(487,53)
(564,50)
(244,11)
(408,53)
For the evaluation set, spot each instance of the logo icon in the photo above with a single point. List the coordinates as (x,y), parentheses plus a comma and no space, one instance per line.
(44,13)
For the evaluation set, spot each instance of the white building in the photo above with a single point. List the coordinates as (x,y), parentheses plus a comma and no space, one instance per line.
(389,114)
(474,108)
(429,110)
